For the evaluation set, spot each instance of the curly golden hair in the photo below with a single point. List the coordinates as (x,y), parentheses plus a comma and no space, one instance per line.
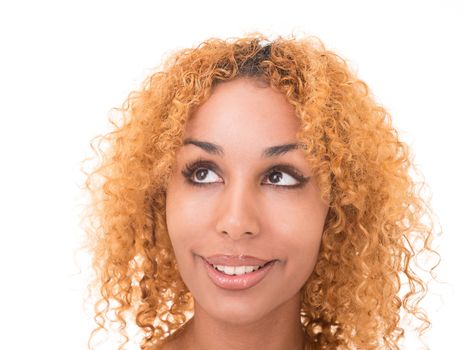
(373,230)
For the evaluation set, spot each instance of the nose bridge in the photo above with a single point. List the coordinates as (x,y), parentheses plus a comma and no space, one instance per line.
(237,215)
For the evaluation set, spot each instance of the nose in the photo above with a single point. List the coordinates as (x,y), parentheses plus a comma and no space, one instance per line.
(237,212)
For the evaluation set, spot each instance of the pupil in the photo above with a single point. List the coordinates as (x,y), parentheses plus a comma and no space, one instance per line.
(203,172)
(274,178)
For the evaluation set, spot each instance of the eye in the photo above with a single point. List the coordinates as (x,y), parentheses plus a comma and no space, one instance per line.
(200,174)
(199,169)
(275,177)
(282,175)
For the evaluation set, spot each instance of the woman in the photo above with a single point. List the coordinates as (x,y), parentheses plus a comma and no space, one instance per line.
(256,197)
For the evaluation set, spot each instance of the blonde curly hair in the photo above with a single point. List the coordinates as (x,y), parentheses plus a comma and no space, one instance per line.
(372,232)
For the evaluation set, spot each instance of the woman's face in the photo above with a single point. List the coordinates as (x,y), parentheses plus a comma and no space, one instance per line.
(241,207)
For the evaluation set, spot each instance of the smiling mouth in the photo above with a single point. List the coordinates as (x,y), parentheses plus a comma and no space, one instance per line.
(235,278)
(238,270)
(235,260)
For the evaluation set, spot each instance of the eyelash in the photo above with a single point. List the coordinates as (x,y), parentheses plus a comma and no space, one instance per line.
(190,168)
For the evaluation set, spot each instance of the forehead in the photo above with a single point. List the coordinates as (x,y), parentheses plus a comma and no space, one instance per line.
(242,111)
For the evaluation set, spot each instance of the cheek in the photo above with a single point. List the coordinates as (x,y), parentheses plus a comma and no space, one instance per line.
(308,250)
(300,228)
(185,224)
(175,220)
(309,244)
(301,221)
(305,244)
(301,258)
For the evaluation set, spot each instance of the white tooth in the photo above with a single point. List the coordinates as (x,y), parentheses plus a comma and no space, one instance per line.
(229,270)
(220,267)
(250,268)
(237,270)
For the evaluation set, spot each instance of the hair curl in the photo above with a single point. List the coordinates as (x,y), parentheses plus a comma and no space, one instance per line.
(372,232)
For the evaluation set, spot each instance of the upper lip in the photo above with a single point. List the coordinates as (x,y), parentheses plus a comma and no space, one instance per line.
(235,260)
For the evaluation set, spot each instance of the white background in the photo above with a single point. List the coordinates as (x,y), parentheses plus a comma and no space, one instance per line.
(65,64)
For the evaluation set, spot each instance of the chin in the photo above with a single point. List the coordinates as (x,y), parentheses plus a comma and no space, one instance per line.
(236,311)
(238,316)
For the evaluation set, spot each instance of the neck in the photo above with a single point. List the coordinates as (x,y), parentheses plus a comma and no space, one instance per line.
(279,330)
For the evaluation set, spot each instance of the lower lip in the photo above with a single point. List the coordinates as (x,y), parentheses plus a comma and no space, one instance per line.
(238,282)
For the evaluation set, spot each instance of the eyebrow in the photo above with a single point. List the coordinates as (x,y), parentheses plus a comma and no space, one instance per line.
(273,151)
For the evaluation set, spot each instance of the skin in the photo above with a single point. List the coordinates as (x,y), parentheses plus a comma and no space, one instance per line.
(244,209)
